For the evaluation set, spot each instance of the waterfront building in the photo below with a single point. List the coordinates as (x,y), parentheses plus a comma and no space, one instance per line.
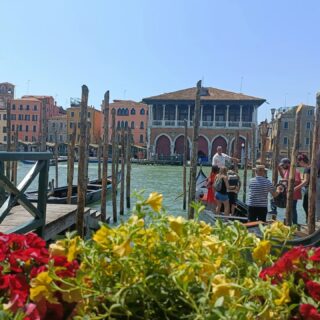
(287,128)
(222,114)
(3,126)
(48,102)
(133,115)
(6,93)
(94,120)
(58,125)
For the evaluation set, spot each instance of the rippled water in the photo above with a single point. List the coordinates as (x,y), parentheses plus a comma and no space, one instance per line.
(164,179)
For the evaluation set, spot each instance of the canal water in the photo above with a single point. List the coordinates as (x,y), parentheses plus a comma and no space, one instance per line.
(163,179)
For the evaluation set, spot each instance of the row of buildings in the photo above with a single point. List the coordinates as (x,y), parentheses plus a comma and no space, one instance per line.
(157,123)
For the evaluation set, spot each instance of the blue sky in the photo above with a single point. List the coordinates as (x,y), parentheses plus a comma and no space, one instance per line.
(140,48)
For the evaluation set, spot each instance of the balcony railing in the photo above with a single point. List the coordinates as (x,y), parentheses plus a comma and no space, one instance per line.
(203,124)
(169,123)
(207,124)
(221,124)
(234,124)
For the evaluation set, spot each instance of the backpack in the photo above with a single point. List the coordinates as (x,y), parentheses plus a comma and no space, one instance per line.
(218,184)
(281,199)
(233,180)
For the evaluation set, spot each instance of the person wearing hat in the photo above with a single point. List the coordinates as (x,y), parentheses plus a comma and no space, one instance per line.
(284,171)
(259,188)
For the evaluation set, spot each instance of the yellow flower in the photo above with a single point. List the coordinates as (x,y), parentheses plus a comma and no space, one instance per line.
(123,249)
(214,245)
(171,236)
(205,228)
(278,230)
(70,294)
(222,288)
(134,220)
(73,249)
(40,288)
(103,235)
(285,295)
(261,251)
(176,224)
(57,249)
(155,201)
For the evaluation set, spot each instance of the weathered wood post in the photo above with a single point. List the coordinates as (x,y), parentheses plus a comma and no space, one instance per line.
(288,149)
(118,139)
(56,156)
(122,173)
(185,156)
(312,195)
(105,151)
(43,144)
(275,149)
(128,176)
(99,157)
(310,143)
(253,149)
(14,171)
(293,165)
(71,155)
(8,136)
(194,157)
(245,167)
(263,138)
(82,161)
(235,149)
(114,159)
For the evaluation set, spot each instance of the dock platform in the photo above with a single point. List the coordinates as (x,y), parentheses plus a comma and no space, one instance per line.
(59,217)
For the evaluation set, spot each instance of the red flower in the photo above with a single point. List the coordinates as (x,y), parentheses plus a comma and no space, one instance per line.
(31,312)
(4,281)
(309,312)
(316,255)
(314,289)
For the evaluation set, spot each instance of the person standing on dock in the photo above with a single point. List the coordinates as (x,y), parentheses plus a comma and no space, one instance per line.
(303,162)
(284,170)
(259,188)
(211,200)
(221,186)
(219,159)
(234,188)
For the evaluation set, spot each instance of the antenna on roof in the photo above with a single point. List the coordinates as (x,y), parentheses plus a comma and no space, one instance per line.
(241,82)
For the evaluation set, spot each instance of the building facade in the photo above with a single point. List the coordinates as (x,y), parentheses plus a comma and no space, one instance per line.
(133,115)
(94,119)
(57,126)
(222,113)
(6,93)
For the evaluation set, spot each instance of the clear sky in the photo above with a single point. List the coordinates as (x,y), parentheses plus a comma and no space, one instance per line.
(140,48)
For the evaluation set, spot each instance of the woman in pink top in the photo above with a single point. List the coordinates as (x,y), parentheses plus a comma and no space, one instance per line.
(284,170)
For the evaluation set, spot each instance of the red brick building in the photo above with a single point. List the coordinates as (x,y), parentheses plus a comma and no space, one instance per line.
(222,114)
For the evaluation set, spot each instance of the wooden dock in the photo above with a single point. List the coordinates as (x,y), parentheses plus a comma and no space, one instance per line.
(59,218)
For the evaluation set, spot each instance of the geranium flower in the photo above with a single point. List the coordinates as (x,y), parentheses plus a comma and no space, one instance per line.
(155,201)
(40,288)
(316,255)
(313,289)
(309,312)
(285,295)
(261,251)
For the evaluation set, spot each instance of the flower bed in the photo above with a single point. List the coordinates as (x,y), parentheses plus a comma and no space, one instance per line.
(156,266)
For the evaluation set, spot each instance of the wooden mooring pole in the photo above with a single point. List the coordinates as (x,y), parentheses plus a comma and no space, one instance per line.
(99,152)
(71,155)
(105,151)
(43,145)
(194,157)
(253,149)
(275,149)
(122,172)
(114,159)
(128,173)
(312,195)
(8,136)
(56,156)
(245,171)
(263,138)
(293,165)
(14,170)
(185,156)
(235,149)
(82,161)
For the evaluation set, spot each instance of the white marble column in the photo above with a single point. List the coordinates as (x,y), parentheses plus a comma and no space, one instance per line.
(163,113)
(227,118)
(176,119)
(188,115)
(201,115)
(214,115)
(171,148)
(240,116)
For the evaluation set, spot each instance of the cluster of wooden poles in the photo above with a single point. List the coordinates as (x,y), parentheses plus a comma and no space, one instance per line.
(275,143)
(121,149)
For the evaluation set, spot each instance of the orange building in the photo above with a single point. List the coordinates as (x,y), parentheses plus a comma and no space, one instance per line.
(52,109)
(133,115)
(94,118)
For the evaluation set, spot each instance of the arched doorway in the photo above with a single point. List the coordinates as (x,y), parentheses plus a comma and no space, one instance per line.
(179,147)
(163,146)
(239,147)
(203,149)
(218,141)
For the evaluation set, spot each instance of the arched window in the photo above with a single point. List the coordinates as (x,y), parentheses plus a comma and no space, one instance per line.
(126,124)
(141,125)
(118,124)
(122,124)
(119,112)
(127,112)
(142,111)
(132,124)
(133,111)
(141,138)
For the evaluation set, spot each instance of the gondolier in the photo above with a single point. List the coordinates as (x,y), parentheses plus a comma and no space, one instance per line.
(219,159)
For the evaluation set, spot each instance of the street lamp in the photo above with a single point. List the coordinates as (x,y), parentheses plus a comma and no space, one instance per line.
(242,155)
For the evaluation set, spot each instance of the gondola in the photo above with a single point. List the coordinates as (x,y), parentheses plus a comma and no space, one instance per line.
(201,194)
(59,195)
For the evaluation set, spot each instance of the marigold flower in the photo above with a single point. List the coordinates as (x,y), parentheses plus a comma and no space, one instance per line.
(261,251)
(40,288)
(285,295)
(155,201)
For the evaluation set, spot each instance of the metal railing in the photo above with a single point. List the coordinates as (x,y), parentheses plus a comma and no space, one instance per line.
(207,124)
(203,124)
(12,195)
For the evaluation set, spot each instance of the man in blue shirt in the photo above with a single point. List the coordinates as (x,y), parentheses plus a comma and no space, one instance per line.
(259,188)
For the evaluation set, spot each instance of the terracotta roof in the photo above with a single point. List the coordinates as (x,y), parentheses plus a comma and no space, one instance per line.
(208,93)
(127,103)
(36,96)
(26,99)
